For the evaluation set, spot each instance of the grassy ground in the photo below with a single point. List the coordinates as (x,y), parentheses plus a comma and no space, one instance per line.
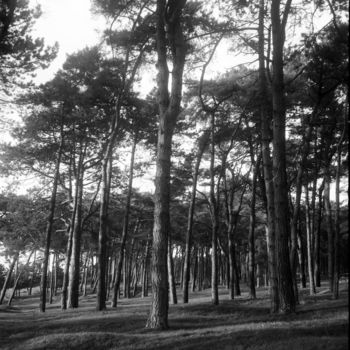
(320,323)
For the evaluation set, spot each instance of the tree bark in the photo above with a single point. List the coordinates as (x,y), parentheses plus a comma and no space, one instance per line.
(171,277)
(74,269)
(214,219)
(267,166)
(50,221)
(282,228)
(169,30)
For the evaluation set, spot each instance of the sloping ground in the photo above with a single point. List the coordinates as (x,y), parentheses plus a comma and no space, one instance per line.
(320,323)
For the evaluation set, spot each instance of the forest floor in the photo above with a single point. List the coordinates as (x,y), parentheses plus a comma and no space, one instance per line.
(319,323)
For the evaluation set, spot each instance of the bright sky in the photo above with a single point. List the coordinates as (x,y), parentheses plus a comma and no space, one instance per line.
(71,24)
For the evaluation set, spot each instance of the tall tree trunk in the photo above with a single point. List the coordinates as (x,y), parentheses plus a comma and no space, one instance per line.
(337,210)
(67,262)
(33,275)
(330,230)
(202,144)
(103,224)
(318,237)
(301,252)
(312,287)
(169,30)
(231,263)
(144,292)
(195,269)
(251,235)
(305,150)
(236,272)
(122,261)
(267,166)
(171,277)
(125,225)
(74,268)
(50,221)
(285,280)
(52,287)
(214,219)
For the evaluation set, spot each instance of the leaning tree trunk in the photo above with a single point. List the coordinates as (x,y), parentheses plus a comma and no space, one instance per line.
(267,166)
(18,277)
(50,220)
(186,274)
(169,30)
(8,278)
(282,228)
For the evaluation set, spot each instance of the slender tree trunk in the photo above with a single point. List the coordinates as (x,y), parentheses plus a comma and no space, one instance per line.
(33,275)
(203,141)
(17,279)
(337,212)
(103,216)
(231,260)
(74,269)
(237,274)
(55,275)
(296,212)
(312,287)
(172,284)
(251,235)
(214,219)
(52,287)
(195,269)
(121,258)
(67,262)
(50,221)
(318,237)
(330,231)
(125,225)
(8,278)
(86,273)
(144,292)
(301,252)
